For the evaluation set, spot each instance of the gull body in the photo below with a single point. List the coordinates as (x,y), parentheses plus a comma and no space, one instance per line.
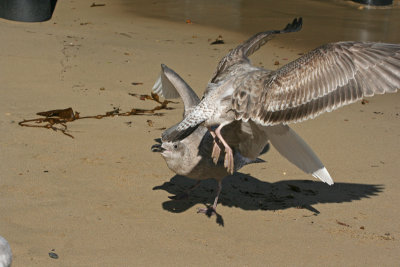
(191,156)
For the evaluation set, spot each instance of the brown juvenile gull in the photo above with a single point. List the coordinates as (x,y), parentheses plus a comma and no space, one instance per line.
(191,157)
(327,78)
(5,253)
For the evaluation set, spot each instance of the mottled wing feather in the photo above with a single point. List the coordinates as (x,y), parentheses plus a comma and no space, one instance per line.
(241,53)
(258,40)
(323,80)
(248,93)
(235,62)
(189,124)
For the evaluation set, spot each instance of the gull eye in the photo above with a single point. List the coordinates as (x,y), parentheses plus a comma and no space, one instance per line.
(175,146)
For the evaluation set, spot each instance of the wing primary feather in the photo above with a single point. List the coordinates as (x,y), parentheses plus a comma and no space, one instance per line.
(176,135)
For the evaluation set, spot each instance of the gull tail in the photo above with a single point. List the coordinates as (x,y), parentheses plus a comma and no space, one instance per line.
(241,161)
(294,148)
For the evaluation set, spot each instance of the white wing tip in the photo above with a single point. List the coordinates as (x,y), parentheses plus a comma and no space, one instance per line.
(157,87)
(165,85)
(323,175)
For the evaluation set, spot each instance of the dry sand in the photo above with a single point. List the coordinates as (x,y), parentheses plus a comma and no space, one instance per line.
(101,199)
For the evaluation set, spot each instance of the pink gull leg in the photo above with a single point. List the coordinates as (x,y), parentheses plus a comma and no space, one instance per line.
(216,149)
(213,209)
(228,163)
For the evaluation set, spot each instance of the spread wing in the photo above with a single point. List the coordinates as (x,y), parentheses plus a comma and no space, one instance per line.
(249,139)
(323,80)
(170,85)
(295,149)
(241,53)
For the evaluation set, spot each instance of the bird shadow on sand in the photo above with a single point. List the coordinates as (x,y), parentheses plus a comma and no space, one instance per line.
(249,193)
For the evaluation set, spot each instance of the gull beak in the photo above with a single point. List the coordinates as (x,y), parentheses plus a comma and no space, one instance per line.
(157,148)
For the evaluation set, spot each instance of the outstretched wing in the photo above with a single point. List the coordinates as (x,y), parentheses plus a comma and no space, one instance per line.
(170,85)
(241,53)
(323,80)
(295,149)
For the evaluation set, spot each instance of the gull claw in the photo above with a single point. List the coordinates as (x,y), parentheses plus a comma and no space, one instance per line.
(209,211)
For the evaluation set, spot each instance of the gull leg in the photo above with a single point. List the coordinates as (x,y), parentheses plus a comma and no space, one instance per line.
(217,196)
(209,211)
(185,194)
(216,149)
(228,162)
(216,152)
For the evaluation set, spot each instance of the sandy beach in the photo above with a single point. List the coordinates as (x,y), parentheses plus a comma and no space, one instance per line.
(101,198)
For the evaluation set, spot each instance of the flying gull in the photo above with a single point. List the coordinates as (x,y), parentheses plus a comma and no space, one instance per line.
(191,157)
(325,79)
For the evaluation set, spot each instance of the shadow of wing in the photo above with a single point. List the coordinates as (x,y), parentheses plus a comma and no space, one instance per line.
(248,193)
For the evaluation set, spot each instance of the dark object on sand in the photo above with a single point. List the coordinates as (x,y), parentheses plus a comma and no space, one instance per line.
(27,10)
(218,41)
(96,5)
(53,255)
(374,2)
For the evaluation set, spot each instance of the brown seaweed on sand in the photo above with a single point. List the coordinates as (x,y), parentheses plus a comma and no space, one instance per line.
(57,119)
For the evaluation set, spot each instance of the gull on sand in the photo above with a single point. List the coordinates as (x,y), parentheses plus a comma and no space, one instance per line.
(191,157)
(244,107)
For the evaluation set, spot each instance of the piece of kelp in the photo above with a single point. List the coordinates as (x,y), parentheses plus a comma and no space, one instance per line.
(57,119)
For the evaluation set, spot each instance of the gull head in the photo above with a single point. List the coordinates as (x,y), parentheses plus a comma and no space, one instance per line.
(172,150)
(176,155)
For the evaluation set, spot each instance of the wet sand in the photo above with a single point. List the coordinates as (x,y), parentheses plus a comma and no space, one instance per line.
(324,20)
(101,199)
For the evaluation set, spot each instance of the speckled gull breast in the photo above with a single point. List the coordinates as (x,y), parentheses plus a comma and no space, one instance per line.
(5,253)
(191,157)
(322,80)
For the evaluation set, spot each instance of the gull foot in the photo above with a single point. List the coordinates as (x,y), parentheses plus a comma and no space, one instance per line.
(216,152)
(209,211)
(229,162)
